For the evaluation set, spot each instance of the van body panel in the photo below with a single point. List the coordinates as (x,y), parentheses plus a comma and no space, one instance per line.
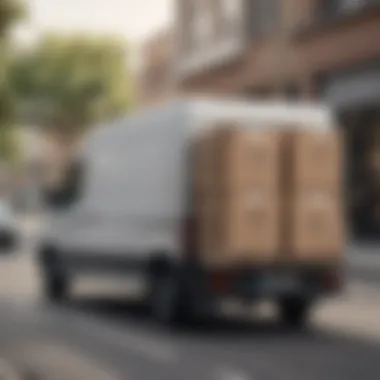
(137,183)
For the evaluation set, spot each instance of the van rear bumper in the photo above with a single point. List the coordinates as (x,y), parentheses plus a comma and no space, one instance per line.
(261,283)
(251,286)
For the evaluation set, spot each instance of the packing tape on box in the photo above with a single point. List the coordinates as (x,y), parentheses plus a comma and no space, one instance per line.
(319,199)
(257,198)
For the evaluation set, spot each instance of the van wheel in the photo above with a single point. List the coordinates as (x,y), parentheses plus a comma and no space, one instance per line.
(54,276)
(294,312)
(168,303)
(56,287)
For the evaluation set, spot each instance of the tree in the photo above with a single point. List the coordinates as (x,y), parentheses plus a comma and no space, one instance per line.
(9,148)
(9,151)
(68,83)
(10,12)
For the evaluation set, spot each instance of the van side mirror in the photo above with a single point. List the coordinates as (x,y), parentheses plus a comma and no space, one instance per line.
(67,190)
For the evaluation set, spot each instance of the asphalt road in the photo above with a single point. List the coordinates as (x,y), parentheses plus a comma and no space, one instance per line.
(95,337)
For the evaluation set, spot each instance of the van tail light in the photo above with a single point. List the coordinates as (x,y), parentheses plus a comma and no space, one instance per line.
(220,283)
(332,280)
(189,238)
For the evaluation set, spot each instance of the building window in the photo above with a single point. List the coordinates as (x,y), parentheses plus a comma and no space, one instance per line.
(202,27)
(231,14)
(185,26)
(268,12)
(232,9)
(349,5)
(333,8)
(265,16)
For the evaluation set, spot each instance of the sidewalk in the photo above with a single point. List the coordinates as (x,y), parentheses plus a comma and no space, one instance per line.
(364,256)
(29,224)
(51,361)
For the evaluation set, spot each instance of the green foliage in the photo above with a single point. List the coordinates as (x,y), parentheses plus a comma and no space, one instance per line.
(7,97)
(9,145)
(67,83)
(10,11)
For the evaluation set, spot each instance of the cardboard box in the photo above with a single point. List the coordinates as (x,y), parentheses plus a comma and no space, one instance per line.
(315,227)
(248,158)
(204,164)
(242,228)
(263,221)
(207,227)
(313,220)
(270,196)
(230,159)
(314,157)
(220,228)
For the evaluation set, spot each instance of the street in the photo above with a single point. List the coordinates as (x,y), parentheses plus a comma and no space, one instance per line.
(105,337)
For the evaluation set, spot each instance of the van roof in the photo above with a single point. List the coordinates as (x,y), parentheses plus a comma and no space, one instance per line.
(275,113)
(268,110)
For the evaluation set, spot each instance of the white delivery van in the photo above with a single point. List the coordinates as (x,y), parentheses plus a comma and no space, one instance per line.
(126,206)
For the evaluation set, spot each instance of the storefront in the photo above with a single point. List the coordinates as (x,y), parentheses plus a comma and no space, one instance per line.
(355,95)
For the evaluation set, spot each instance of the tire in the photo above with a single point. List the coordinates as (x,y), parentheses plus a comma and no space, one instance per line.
(56,287)
(170,304)
(294,312)
(55,279)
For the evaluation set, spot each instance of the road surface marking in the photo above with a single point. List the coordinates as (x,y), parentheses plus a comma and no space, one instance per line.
(47,360)
(148,347)
(141,345)
(8,372)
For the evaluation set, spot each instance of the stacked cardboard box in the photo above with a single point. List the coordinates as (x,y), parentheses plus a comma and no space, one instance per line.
(313,220)
(234,229)
(238,194)
(264,195)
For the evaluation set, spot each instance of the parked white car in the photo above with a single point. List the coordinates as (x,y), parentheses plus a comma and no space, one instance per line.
(8,228)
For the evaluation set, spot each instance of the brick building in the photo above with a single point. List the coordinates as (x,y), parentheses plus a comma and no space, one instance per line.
(315,49)
(156,82)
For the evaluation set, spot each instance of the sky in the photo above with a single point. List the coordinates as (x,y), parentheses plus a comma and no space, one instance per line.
(133,19)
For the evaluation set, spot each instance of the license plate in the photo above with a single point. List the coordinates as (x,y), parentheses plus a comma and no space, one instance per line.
(280,283)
